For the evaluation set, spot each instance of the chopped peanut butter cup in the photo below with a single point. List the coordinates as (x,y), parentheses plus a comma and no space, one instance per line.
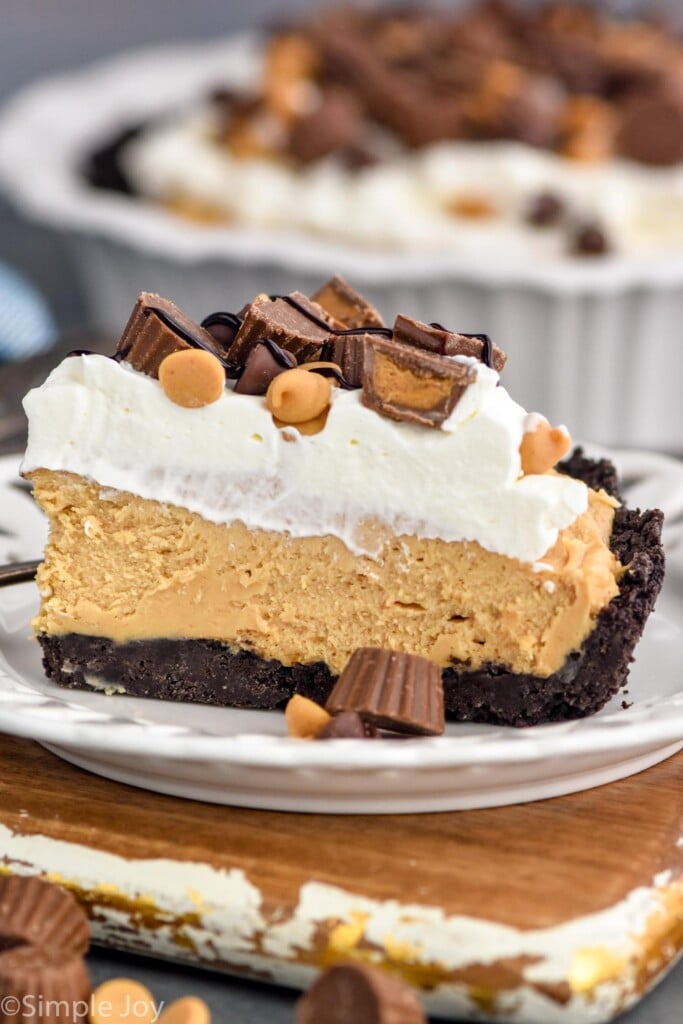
(347,726)
(157,328)
(357,994)
(344,303)
(437,339)
(44,985)
(407,383)
(401,692)
(298,325)
(348,352)
(36,912)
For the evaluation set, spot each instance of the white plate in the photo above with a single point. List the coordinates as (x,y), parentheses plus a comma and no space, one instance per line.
(229,756)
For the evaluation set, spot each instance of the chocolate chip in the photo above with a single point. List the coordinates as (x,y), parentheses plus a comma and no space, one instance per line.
(347,726)
(393,690)
(407,383)
(222,327)
(544,210)
(265,361)
(357,994)
(589,239)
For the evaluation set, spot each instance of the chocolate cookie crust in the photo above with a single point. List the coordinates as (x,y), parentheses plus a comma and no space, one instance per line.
(207,671)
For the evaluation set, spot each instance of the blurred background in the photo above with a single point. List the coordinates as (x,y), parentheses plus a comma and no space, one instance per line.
(40,37)
(623,400)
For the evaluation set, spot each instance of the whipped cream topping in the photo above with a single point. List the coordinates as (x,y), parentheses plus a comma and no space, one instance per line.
(405,199)
(228,462)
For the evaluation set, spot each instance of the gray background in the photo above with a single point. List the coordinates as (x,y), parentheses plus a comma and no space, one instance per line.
(44,36)
(39,37)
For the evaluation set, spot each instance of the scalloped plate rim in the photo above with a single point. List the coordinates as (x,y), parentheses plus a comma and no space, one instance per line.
(653,722)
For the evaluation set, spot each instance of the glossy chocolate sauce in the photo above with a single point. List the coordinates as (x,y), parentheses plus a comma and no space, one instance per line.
(385,332)
(487,350)
(170,321)
(280,355)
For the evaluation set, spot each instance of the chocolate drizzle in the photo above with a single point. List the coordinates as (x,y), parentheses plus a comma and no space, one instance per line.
(232,322)
(385,332)
(222,319)
(329,371)
(281,355)
(170,321)
(487,351)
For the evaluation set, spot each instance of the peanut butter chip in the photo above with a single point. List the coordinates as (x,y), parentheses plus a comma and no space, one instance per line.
(296,396)
(543,447)
(472,207)
(192,378)
(308,427)
(122,1001)
(305,718)
(188,1010)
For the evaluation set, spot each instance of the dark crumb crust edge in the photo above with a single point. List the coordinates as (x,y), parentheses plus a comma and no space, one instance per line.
(209,672)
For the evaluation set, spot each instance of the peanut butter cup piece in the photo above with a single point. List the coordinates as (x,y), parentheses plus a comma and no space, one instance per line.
(349,354)
(294,322)
(408,383)
(357,994)
(396,691)
(651,127)
(156,328)
(40,913)
(265,361)
(333,125)
(438,339)
(344,303)
(347,726)
(44,985)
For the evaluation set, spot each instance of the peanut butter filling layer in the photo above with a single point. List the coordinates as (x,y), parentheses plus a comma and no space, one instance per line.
(128,568)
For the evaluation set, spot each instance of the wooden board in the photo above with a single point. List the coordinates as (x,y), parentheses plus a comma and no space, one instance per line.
(568,909)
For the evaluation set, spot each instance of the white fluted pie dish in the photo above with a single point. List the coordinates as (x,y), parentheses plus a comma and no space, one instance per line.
(593,341)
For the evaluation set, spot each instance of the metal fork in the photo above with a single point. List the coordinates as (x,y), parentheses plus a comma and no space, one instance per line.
(18,572)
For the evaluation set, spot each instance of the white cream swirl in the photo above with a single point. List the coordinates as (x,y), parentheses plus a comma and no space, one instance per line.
(228,461)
